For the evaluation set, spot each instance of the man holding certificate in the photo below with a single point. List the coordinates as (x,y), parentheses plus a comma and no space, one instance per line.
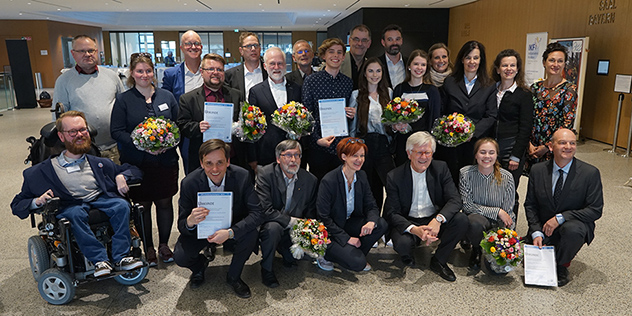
(325,94)
(564,199)
(207,219)
(192,120)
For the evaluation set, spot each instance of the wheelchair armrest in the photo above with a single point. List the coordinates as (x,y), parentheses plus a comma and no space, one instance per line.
(50,207)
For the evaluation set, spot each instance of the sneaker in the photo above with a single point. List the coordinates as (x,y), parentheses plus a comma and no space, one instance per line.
(150,255)
(367,267)
(129,263)
(165,253)
(102,268)
(324,264)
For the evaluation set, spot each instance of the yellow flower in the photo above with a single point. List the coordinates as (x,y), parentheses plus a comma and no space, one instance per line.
(492,249)
(314,241)
(451,134)
(460,119)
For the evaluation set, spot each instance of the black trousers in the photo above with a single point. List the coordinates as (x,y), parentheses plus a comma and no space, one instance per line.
(456,157)
(321,162)
(377,164)
(187,252)
(506,146)
(477,225)
(568,239)
(274,237)
(450,234)
(348,256)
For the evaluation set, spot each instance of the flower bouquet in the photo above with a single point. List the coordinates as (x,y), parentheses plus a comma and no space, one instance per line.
(309,237)
(453,130)
(251,125)
(502,249)
(155,135)
(402,111)
(295,119)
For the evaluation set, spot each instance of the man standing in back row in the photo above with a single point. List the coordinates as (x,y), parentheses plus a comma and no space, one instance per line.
(393,60)
(359,43)
(250,72)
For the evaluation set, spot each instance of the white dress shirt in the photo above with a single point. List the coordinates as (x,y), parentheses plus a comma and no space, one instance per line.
(251,78)
(279,92)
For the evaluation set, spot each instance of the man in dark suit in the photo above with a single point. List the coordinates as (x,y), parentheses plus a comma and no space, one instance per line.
(83,182)
(191,116)
(303,54)
(217,175)
(422,203)
(392,59)
(287,193)
(359,42)
(564,199)
(269,95)
(250,72)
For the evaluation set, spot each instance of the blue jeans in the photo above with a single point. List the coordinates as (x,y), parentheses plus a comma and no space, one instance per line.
(117,209)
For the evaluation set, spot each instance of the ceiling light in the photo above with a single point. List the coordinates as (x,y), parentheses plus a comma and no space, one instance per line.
(58,9)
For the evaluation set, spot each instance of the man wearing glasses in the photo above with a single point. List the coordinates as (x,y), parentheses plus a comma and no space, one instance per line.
(250,72)
(422,204)
(287,193)
(359,43)
(92,90)
(303,54)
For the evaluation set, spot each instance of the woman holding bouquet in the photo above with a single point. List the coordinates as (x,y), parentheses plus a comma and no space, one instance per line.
(488,196)
(160,180)
(370,99)
(416,86)
(347,208)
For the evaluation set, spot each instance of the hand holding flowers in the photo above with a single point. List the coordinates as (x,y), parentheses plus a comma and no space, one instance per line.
(251,125)
(402,111)
(453,130)
(155,135)
(295,119)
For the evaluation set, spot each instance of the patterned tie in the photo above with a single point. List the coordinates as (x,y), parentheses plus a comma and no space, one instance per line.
(559,185)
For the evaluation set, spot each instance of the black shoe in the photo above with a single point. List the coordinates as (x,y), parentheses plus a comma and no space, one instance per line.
(562,276)
(408,261)
(466,244)
(198,278)
(269,279)
(442,269)
(290,264)
(209,252)
(241,289)
(475,259)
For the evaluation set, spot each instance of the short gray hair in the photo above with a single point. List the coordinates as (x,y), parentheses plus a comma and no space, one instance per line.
(270,51)
(287,145)
(294,47)
(420,139)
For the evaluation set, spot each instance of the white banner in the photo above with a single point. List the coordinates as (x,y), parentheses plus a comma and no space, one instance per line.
(533,68)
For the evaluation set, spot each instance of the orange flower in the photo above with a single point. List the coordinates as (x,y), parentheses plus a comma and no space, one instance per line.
(404,103)
(152,138)
(254,132)
(314,241)
(503,254)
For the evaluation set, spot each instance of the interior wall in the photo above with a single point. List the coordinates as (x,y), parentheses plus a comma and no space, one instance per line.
(501,24)
(167,36)
(309,36)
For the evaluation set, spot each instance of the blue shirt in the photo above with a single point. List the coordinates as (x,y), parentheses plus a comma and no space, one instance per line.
(469,84)
(350,192)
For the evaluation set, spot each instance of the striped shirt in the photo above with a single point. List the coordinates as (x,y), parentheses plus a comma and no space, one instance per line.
(481,194)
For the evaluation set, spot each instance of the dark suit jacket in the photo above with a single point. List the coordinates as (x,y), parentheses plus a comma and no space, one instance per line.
(173,80)
(41,177)
(261,96)
(246,209)
(271,189)
(582,196)
(399,193)
(386,74)
(234,78)
(192,113)
(295,76)
(332,203)
(515,120)
(479,105)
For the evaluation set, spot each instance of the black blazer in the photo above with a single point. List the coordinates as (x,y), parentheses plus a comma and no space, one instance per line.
(399,193)
(295,76)
(515,119)
(332,203)
(479,105)
(192,113)
(271,189)
(234,78)
(261,96)
(582,196)
(386,74)
(247,213)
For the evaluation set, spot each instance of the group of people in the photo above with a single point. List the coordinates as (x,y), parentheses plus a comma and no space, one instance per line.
(433,192)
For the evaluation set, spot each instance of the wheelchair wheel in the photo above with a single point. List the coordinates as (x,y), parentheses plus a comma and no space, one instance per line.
(56,287)
(132,277)
(38,256)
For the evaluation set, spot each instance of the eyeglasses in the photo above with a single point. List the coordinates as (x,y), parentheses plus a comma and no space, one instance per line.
(191,44)
(354,140)
(138,55)
(212,69)
(290,156)
(357,39)
(85,51)
(421,153)
(251,46)
(73,132)
(303,51)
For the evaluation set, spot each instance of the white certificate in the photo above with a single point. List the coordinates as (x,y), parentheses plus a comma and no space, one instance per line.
(220,117)
(539,266)
(220,215)
(333,120)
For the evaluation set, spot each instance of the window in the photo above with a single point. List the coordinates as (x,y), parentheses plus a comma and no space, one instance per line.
(124,44)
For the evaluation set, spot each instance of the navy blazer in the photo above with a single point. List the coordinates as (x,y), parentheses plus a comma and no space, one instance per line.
(582,196)
(399,193)
(271,189)
(261,96)
(332,203)
(173,80)
(247,214)
(129,110)
(42,177)
(234,78)
(479,105)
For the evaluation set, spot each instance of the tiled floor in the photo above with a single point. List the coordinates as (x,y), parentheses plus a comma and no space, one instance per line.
(600,273)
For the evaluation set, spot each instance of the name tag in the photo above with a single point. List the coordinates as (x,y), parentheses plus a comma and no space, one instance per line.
(72,169)
(163,107)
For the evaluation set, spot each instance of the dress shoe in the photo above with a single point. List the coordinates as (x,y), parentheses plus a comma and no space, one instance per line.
(562,276)
(442,269)
(209,252)
(241,289)
(475,259)
(268,278)
(408,261)
(198,278)
(290,264)
(465,244)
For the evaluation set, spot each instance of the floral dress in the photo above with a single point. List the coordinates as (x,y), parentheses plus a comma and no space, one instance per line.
(554,108)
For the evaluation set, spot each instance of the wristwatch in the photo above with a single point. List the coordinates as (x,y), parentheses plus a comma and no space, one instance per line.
(231,234)
(440,219)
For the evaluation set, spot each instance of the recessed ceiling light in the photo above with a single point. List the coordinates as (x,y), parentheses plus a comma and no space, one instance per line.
(20,13)
(28,3)
(185,3)
(406,5)
(126,9)
(58,9)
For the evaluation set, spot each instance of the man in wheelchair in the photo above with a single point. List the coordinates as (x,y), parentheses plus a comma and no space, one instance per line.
(83,182)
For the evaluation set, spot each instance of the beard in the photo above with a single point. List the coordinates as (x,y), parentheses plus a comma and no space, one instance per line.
(393,49)
(78,149)
(293,170)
